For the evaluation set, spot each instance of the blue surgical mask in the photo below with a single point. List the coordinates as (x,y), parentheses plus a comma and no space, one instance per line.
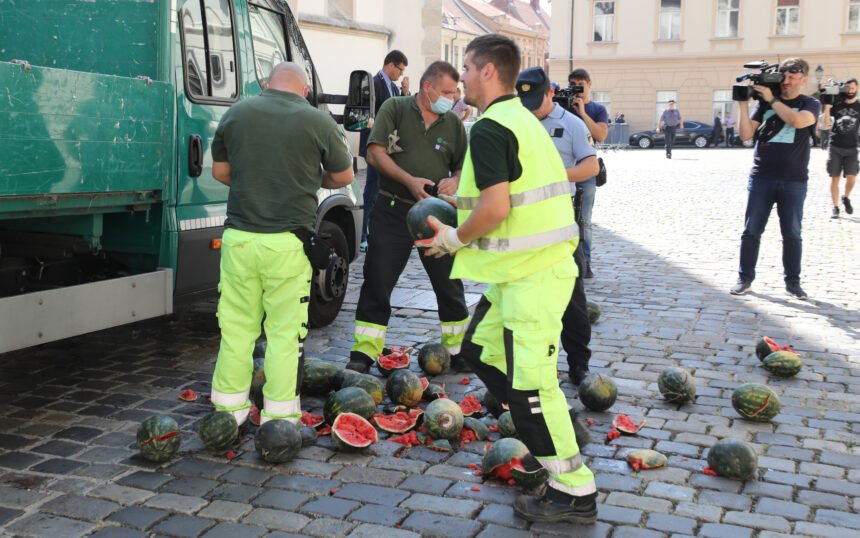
(442,105)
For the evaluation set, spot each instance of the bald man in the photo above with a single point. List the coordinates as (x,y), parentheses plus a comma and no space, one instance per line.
(274,151)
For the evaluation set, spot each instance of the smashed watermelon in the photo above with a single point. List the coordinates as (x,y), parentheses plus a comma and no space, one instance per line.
(399,422)
(352,433)
(624,425)
(470,406)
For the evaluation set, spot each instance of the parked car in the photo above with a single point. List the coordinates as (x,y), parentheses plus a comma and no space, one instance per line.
(693,133)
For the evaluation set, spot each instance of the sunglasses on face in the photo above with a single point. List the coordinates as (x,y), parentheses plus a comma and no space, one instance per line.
(791,69)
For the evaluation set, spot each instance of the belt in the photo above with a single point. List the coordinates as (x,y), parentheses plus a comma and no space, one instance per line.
(396,198)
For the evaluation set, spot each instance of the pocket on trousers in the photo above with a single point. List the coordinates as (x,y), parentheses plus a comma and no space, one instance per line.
(283,259)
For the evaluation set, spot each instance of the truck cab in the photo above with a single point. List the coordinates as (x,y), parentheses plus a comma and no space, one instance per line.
(108,208)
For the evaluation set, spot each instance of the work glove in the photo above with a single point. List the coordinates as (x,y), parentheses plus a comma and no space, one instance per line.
(445,241)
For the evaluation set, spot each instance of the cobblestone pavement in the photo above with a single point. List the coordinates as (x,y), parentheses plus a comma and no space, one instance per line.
(666,242)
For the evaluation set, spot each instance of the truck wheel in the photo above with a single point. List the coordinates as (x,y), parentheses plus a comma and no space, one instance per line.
(328,286)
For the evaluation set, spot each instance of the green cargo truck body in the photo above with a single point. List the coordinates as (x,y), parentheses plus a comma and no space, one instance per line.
(108,209)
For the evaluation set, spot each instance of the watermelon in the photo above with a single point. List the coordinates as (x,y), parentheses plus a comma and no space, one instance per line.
(259,375)
(646,459)
(391,359)
(352,433)
(440,445)
(598,392)
(506,425)
(676,385)
(433,392)
(218,431)
(158,438)
(623,424)
(348,400)
(367,383)
(434,359)
(400,422)
(480,429)
(278,441)
(470,406)
(493,405)
(755,401)
(312,420)
(528,473)
(765,346)
(501,456)
(593,311)
(317,377)
(309,436)
(733,458)
(341,377)
(404,388)
(782,363)
(416,219)
(443,419)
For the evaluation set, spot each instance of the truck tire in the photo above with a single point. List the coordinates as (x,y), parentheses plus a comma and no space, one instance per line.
(328,286)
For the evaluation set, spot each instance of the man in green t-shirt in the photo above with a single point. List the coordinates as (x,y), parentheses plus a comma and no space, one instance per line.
(417,145)
(268,149)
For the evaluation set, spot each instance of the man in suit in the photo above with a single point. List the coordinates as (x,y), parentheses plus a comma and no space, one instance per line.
(384,87)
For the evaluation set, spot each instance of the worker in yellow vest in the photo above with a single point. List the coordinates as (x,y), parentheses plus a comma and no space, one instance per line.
(517,233)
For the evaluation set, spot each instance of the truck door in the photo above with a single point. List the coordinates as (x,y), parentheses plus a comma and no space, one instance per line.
(207,82)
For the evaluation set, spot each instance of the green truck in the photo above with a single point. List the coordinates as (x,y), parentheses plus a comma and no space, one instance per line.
(108,209)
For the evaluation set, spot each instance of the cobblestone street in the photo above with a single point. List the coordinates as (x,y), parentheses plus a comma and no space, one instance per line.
(665,252)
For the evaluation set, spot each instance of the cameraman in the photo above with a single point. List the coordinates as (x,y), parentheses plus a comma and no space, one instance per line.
(571,139)
(843,144)
(779,173)
(596,118)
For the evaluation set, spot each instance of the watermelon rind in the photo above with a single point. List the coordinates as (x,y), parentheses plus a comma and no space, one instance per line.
(756,402)
(733,458)
(434,359)
(506,425)
(416,218)
(783,363)
(404,388)
(158,438)
(676,385)
(443,419)
(367,383)
(278,441)
(317,377)
(501,453)
(765,346)
(349,400)
(598,392)
(350,423)
(218,431)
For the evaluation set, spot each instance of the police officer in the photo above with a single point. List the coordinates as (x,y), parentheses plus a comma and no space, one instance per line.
(268,149)
(417,144)
(571,138)
(517,233)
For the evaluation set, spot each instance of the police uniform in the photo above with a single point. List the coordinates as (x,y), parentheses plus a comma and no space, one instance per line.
(434,152)
(512,341)
(275,144)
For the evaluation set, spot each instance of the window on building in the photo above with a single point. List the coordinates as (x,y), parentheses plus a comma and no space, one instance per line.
(267,36)
(670,19)
(728,13)
(605,99)
(604,21)
(787,17)
(854,16)
(723,102)
(663,98)
(209,52)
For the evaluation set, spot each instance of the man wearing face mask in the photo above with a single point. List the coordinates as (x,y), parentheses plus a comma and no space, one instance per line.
(417,145)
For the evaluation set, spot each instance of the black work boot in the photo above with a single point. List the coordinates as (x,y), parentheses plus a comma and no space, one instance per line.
(578,374)
(583,436)
(359,362)
(555,507)
(459,364)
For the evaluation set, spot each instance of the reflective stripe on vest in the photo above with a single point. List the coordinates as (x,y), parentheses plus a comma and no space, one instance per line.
(519,199)
(372,332)
(562,466)
(543,239)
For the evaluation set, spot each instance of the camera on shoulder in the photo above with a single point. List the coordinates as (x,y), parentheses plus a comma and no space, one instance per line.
(768,75)
(566,96)
(832,92)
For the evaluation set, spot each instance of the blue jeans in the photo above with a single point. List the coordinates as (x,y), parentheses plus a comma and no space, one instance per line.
(788,197)
(589,189)
(371,189)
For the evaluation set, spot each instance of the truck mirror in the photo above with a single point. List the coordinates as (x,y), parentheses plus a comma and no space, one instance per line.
(360,102)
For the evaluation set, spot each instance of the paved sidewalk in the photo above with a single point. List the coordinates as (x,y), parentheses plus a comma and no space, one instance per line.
(666,247)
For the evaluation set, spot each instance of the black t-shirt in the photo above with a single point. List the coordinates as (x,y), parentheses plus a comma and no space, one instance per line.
(494,151)
(846,119)
(781,151)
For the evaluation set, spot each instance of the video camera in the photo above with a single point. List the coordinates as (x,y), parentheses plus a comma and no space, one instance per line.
(768,75)
(566,96)
(833,91)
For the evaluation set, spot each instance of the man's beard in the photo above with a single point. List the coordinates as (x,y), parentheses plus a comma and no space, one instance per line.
(851,96)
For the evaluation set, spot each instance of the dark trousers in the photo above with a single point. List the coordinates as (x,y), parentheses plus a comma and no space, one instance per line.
(789,197)
(670,138)
(730,132)
(388,250)
(371,190)
(576,329)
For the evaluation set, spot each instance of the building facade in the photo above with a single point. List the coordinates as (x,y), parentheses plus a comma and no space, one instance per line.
(643,53)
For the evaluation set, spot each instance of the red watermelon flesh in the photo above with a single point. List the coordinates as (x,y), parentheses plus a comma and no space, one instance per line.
(312,420)
(354,430)
(470,405)
(399,422)
(408,439)
(503,471)
(467,436)
(623,424)
(394,361)
(424,383)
